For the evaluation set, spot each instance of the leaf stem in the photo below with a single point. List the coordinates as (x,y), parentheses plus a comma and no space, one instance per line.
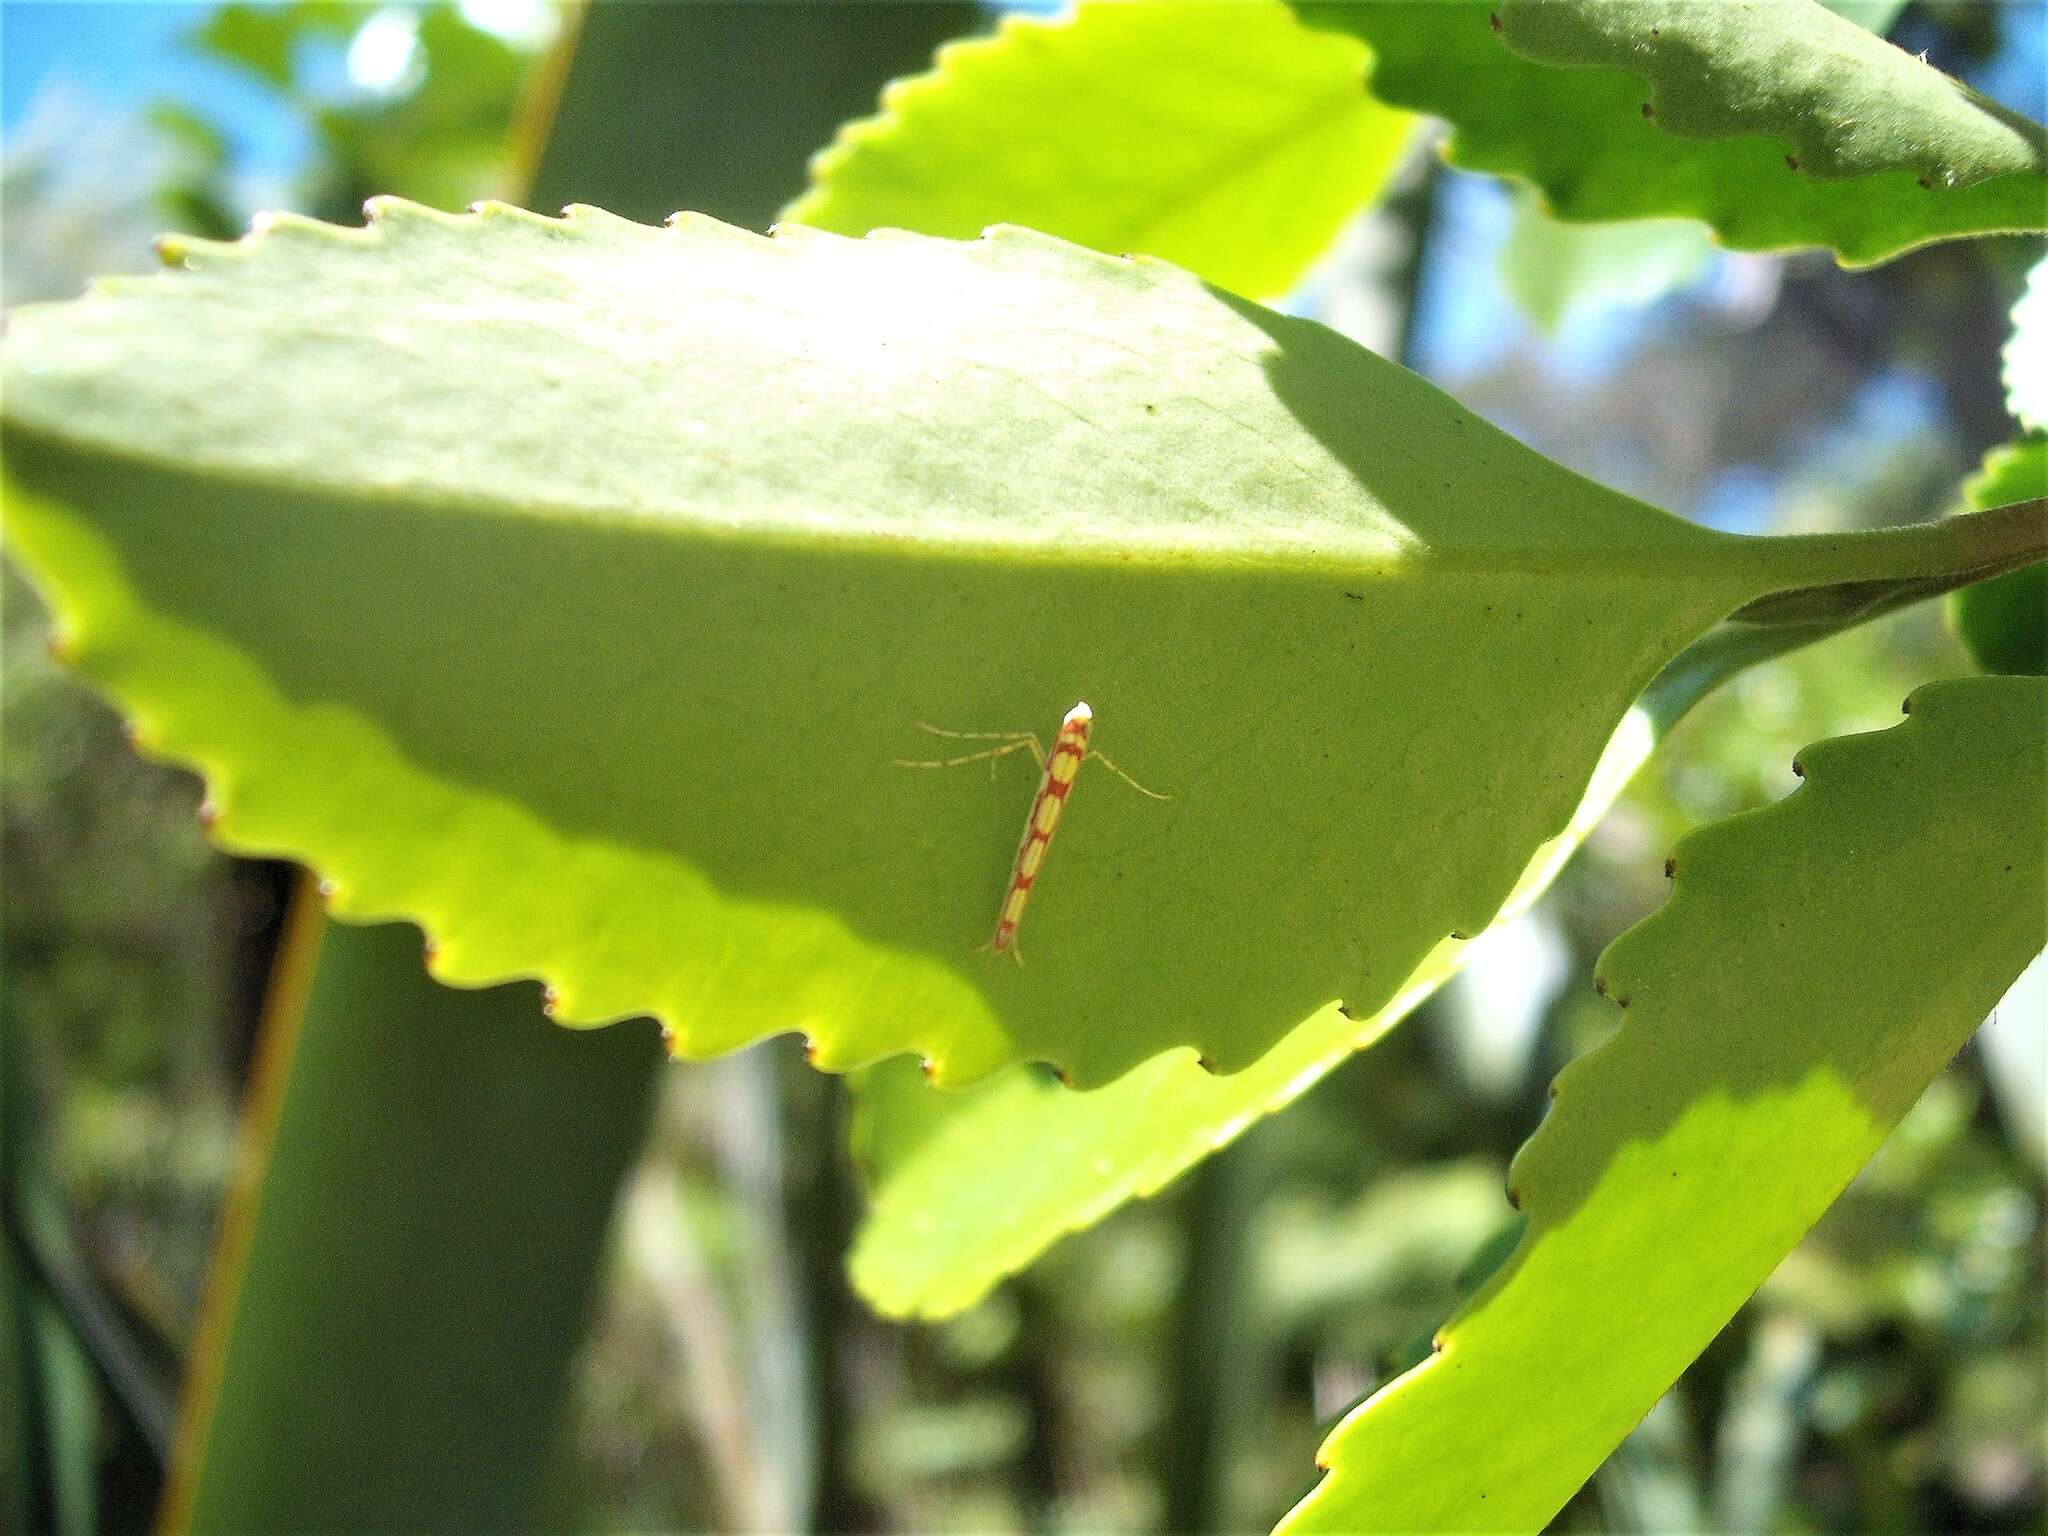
(1844,578)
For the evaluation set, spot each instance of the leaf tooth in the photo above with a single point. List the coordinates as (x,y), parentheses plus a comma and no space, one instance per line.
(795,236)
(579,215)
(384,210)
(492,209)
(282,224)
(703,227)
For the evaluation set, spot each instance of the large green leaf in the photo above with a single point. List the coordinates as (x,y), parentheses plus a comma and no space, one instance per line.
(571,587)
(1816,964)
(1776,122)
(1228,138)
(968,1187)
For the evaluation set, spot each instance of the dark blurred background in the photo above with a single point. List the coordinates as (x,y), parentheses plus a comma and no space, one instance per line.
(1889,1377)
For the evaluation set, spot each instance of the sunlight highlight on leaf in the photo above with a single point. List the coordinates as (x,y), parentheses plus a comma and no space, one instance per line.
(1817,963)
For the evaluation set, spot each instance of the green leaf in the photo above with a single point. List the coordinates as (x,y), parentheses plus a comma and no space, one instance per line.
(966,1188)
(1776,122)
(2004,621)
(1230,139)
(265,39)
(573,587)
(1553,268)
(1816,964)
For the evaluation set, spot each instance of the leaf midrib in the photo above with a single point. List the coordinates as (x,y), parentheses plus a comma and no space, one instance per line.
(1683,565)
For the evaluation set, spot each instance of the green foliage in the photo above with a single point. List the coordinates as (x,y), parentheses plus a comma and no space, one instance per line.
(1552,267)
(1229,139)
(1746,1087)
(783,472)
(968,1187)
(1778,124)
(2004,621)
(444,143)
(267,40)
(440,138)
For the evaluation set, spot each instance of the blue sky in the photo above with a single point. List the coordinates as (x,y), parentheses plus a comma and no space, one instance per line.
(125,54)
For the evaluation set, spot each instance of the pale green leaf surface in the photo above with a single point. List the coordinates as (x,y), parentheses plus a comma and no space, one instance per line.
(968,1187)
(1816,964)
(1553,269)
(570,586)
(1226,137)
(1776,122)
(2004,621)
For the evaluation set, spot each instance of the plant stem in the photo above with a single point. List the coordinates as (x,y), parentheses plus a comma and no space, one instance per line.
(1839,579)
(1213,1360)
(823,1206)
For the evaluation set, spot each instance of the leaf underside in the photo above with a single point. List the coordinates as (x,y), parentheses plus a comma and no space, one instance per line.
(966,1188)
(1242,139)
(1776,122)
(572,586)
(1816,964)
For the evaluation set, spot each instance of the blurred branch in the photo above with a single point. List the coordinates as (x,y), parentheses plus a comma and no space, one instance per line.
(665,1253)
